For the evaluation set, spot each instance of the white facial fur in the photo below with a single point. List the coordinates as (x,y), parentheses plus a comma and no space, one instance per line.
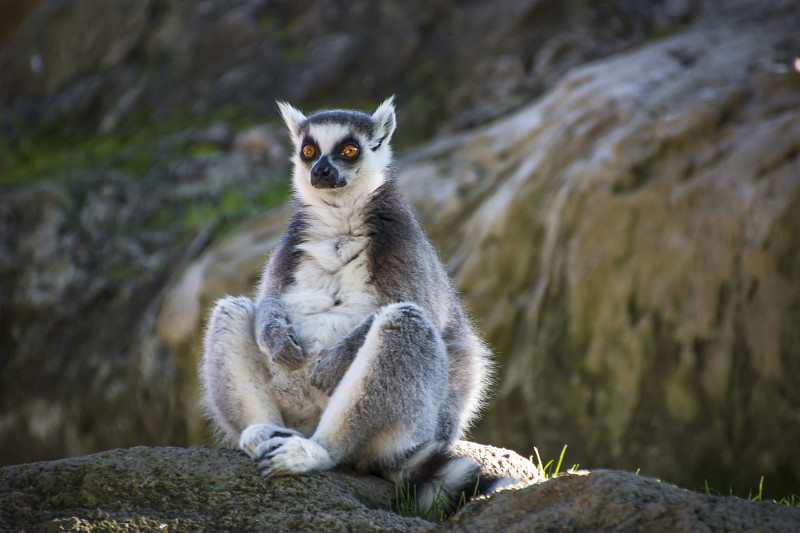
(367,174)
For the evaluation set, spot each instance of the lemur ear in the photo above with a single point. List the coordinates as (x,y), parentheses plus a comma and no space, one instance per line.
(293,119)
(385,121)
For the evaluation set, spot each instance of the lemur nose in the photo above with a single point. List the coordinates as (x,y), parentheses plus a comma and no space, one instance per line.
(323,171)
(324,175)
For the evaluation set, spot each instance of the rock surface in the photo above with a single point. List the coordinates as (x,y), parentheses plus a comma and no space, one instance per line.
(203,489)
(611,500)
(131,137)
(83,263)
(629,244)
(195,489)
(628,241)
(152,59)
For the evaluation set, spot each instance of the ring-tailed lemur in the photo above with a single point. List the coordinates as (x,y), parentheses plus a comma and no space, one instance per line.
(357,350)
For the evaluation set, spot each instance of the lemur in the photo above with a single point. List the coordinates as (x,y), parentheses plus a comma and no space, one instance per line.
(357,350)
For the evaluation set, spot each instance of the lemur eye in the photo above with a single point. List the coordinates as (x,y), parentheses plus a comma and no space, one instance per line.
(308,151)
(349,151)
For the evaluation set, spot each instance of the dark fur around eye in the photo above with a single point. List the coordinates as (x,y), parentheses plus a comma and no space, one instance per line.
(305,153)
(344,143)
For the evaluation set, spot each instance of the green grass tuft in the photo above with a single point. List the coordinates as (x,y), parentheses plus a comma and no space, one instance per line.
(793,500)
(406,503)
(544,468)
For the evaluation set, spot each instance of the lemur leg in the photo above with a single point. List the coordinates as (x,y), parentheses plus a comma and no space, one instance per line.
(388,402)
(235,377)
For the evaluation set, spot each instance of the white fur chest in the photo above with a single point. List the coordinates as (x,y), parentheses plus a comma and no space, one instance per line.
(331,294)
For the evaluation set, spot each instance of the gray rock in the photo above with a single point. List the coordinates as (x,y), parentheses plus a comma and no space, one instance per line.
(102,63)
(609,500)
(629,245)
(83,262)
(628,241)
(195,489)
(203,489)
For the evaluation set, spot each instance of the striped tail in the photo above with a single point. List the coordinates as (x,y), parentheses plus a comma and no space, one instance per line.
(434,482)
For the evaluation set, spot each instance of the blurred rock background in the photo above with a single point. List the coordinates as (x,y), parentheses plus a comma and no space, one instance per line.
(614,185)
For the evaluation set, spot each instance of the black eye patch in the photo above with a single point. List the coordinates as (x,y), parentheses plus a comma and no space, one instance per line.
(309,149)
(348,149)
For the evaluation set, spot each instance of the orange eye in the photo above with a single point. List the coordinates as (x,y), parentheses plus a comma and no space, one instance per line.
(308,151)
(350,151)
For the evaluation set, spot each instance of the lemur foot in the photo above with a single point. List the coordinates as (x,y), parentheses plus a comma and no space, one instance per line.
(256,434)
(281,456)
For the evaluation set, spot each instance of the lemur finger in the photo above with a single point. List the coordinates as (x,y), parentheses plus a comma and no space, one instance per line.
(268,446)
(268,468)
(265,472)
(289,355)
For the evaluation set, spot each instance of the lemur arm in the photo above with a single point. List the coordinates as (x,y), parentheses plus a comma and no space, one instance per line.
(333,362)
(274,333)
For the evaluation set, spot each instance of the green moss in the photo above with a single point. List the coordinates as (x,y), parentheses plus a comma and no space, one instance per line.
(30,153)
(227,211)
(199,215)
(204,150)
(233,200)
(120,272)
(292,54)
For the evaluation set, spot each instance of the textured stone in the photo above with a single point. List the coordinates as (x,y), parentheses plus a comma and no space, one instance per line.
(195,489)
(203,489)
(629,241)
(629,245)
(608,500)
(102,62)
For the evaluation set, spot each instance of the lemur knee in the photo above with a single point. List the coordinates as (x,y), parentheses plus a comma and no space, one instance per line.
(234,308)
(407,327)
(232,315)
(400,315)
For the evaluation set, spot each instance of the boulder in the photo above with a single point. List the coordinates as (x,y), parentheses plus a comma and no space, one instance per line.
(204,489)
(628,241)
(629,245)
(613,500)
(132,135)
(102,63)
(83,263)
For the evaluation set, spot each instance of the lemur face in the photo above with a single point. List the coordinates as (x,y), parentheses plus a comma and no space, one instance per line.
(339,154)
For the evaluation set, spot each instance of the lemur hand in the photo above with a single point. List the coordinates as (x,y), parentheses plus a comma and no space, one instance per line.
(279,340)
(333,362)
(331,367)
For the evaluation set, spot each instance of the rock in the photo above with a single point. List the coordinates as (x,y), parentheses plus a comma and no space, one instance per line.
(83,262)
(608,500)
(195,489)
(263,143)
(47,52)
(155,59)
(203,489)
(628,241)
(629,245)
(13,15)
(499,462)
(219,134)
(57,294)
